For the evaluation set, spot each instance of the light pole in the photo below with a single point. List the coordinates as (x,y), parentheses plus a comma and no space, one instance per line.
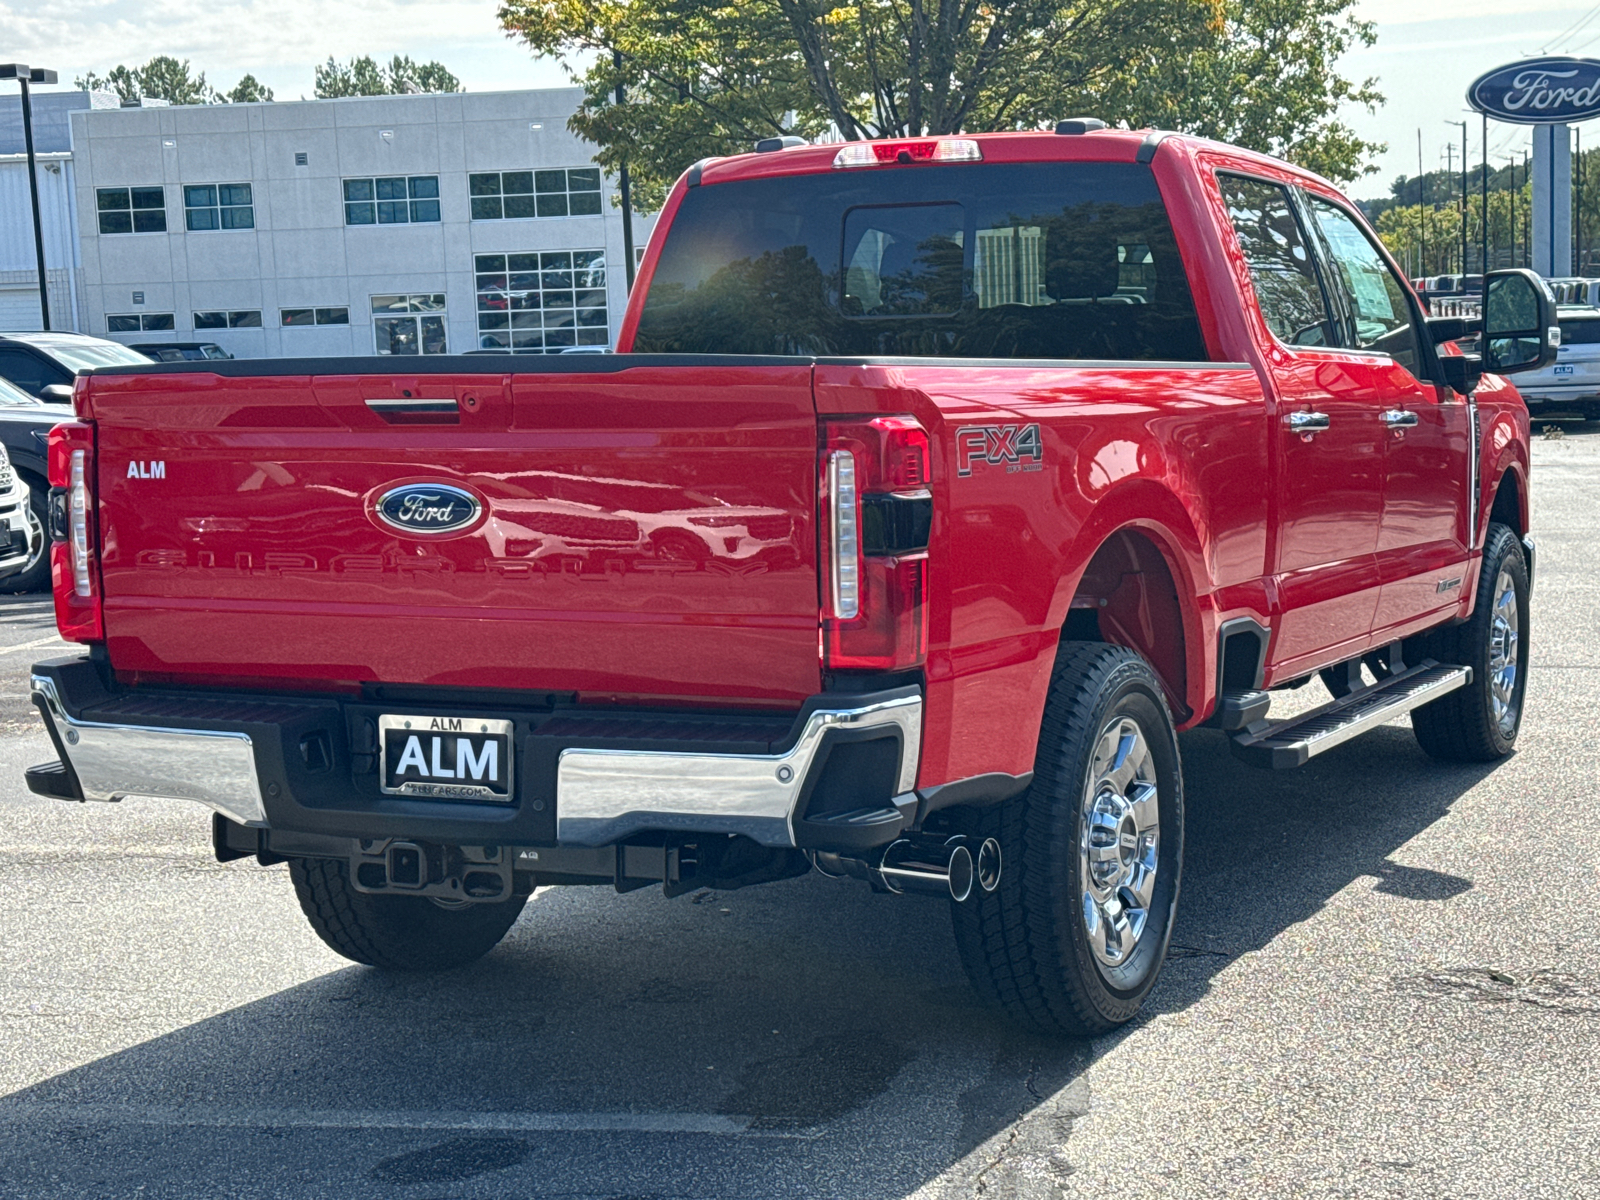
(25,75)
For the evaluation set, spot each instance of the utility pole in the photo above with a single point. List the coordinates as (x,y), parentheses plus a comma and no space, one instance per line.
(1484,232)
(1513,210)
(25,75)
(1449,170)
(1463,125)
(1422,211)
(622,181)
(1577,224)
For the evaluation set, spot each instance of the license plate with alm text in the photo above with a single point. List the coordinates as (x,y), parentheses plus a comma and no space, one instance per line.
(447,758)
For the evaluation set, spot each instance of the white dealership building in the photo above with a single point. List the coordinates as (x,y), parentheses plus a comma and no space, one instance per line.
(390,225)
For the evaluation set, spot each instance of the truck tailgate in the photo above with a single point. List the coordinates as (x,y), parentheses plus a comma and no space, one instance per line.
(645,530)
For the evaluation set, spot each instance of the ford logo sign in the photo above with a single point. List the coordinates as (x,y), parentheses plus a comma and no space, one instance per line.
(428,508)
(1539,91)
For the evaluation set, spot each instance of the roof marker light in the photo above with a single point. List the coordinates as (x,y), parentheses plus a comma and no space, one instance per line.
(872,154)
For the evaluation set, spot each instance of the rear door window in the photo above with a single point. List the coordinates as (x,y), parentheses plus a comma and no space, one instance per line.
(1281,269)
(1014,260)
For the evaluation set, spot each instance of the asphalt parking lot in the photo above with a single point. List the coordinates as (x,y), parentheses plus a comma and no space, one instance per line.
(1385,982)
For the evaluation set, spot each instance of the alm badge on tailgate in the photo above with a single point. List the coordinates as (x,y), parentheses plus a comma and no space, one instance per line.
(448,758)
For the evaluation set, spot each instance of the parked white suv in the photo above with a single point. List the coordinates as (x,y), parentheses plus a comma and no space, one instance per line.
(21,537)
(1572,385)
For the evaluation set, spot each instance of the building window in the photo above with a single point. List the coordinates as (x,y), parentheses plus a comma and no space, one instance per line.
(218,206)
(512,195)
(409,324)
(290,317)
(239,319)
(137,322)
(391,201)
(131,210)
(541,303)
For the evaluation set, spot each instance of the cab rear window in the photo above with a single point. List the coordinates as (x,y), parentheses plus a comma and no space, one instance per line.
(1580,333)
(1047,260)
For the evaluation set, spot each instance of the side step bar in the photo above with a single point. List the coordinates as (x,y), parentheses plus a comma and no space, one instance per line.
(1293,742)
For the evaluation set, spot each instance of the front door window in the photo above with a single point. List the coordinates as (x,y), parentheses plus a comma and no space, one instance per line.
(1379,311)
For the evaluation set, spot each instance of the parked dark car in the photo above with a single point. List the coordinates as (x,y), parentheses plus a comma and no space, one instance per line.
(25,425)
(180,351)
(37,361)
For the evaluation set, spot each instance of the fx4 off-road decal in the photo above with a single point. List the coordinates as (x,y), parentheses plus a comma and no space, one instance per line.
(1016,447)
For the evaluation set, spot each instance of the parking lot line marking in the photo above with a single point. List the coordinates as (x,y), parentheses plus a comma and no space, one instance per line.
(52,639)
(16,1111)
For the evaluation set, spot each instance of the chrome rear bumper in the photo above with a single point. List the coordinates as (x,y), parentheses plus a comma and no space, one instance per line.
(605,795)
(243,758)
(111,762)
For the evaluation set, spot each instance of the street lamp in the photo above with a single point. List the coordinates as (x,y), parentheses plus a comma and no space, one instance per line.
(25,75)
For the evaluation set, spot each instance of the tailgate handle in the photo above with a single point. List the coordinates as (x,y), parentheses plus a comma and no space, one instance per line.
(416,410)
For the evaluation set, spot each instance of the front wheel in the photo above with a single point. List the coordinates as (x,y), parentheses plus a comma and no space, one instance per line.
(1479,723)
(1072,940)
(400,933)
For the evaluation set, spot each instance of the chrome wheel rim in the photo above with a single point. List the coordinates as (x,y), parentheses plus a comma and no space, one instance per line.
(1119,841)
(1505,648)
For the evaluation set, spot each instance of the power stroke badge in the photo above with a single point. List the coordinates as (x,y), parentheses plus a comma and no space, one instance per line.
(1013,447)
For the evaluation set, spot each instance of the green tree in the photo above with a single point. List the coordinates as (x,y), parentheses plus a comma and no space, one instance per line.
(165,78)
(703,78)
(249,90)
(364,77)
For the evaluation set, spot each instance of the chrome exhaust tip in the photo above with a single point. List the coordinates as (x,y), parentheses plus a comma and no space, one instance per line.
(929,868)
(989,865)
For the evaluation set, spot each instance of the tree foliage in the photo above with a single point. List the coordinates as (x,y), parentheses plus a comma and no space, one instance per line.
(165,78)
(703,77)
(364,77)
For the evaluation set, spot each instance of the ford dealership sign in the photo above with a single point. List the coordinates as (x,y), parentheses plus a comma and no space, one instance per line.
(1539,91)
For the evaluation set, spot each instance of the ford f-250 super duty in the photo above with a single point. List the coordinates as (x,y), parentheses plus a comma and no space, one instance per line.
(936,485)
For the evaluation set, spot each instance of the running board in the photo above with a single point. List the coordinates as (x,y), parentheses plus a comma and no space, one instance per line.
(1293,742)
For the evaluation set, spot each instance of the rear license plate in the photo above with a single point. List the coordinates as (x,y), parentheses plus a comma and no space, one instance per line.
(448,758)
(1564,370)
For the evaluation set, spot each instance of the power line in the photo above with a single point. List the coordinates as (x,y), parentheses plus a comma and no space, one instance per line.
(1571,30)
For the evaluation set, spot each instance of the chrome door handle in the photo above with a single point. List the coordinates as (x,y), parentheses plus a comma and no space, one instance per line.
(1400,418)
(1307,424)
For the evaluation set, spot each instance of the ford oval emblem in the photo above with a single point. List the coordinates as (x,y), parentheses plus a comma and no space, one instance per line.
(428,508)
(1556,90)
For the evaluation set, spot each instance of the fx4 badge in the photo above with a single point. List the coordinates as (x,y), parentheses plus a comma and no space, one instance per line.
(1016,447)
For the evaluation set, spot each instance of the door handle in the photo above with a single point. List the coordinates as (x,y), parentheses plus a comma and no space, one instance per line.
(1307,424)
(1400,418)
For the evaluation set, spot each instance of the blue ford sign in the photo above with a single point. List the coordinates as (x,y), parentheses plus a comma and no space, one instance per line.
(1539,91)
(428,508)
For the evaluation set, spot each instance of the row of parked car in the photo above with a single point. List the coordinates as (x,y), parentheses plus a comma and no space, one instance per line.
(36,375)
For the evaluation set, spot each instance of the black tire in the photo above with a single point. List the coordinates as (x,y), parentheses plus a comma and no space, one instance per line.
(398,933)
(36,576)
(1026,946)
(1466,726)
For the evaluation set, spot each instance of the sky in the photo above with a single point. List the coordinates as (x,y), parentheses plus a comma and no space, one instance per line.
(1427,53)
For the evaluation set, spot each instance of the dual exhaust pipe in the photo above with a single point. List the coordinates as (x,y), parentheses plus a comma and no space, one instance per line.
(930,866)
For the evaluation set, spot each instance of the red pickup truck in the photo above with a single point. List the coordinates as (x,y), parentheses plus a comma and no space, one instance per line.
(936,485)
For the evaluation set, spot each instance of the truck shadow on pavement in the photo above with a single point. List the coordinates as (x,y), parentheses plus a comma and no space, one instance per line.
(805,1039)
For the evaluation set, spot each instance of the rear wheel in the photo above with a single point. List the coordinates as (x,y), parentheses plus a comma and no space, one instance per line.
(1072,940)
(400,933)
(1479,723)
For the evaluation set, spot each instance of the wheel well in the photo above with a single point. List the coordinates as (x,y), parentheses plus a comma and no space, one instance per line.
(1507,508)
(1127,596)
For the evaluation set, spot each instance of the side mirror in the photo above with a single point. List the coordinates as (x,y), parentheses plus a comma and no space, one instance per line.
(1519,321)
(56,393)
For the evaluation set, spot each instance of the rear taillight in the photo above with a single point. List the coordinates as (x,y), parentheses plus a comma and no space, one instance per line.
(877,514)
(74,569)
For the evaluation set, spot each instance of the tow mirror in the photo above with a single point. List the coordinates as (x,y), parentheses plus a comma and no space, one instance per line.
(1520,330)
